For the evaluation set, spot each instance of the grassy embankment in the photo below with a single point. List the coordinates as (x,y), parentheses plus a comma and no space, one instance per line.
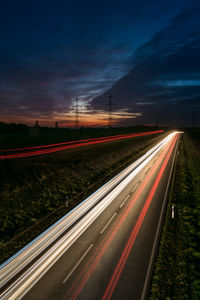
(33,190)
(177,273)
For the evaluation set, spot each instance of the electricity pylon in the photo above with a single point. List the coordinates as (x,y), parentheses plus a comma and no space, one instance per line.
(76,109)
(110,105)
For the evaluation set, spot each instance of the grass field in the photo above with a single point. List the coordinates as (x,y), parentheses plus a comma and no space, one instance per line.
(177,273)
(16,135)
(33,190)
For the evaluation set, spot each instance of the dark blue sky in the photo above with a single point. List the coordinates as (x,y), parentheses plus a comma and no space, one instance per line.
(146,53)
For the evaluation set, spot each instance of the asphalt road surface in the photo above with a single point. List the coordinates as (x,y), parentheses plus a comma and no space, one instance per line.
(113,257)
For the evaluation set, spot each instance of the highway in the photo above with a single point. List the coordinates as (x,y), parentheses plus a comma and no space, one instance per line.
(47,149)
(105,247)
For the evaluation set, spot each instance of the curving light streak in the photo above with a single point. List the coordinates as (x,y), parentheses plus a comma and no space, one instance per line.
(94,260)
(33,249)
(115,186)
(46,149)
(119,268)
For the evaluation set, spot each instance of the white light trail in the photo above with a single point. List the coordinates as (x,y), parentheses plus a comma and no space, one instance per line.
(86,213)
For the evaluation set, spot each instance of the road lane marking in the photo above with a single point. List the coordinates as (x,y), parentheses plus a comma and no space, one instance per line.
(59,252)
(135,187)
(77,264)
(124,201)
(89,269)
(108,223)
(125,254)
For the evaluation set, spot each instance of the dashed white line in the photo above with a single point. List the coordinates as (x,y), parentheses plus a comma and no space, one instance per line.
(108,223)
(77,264)
(135,187)
(124,201)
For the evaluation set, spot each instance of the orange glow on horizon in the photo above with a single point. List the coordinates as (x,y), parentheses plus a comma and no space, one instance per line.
(68,119)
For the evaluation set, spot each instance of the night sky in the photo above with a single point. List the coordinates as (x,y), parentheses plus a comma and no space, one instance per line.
(146,53)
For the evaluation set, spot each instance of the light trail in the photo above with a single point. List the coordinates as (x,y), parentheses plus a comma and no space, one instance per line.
(91,265)
(113,282)
(33,249)
(85,214)
(47,149)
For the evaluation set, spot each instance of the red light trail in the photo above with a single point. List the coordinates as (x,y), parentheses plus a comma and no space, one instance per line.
(47,149)
(93,262)
(112,284)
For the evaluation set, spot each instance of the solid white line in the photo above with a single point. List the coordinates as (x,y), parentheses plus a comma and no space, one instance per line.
(124,201)
(77,264)
(155,245)
(108,223)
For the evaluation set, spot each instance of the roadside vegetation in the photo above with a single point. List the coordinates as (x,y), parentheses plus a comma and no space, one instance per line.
(177,274)
(19,135)
(33,190)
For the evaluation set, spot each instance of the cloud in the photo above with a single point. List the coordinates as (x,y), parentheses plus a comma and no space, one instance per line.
(52,84)
(165,76)
(51,54)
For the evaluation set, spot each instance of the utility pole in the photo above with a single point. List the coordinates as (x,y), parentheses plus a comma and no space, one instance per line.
(110,109)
